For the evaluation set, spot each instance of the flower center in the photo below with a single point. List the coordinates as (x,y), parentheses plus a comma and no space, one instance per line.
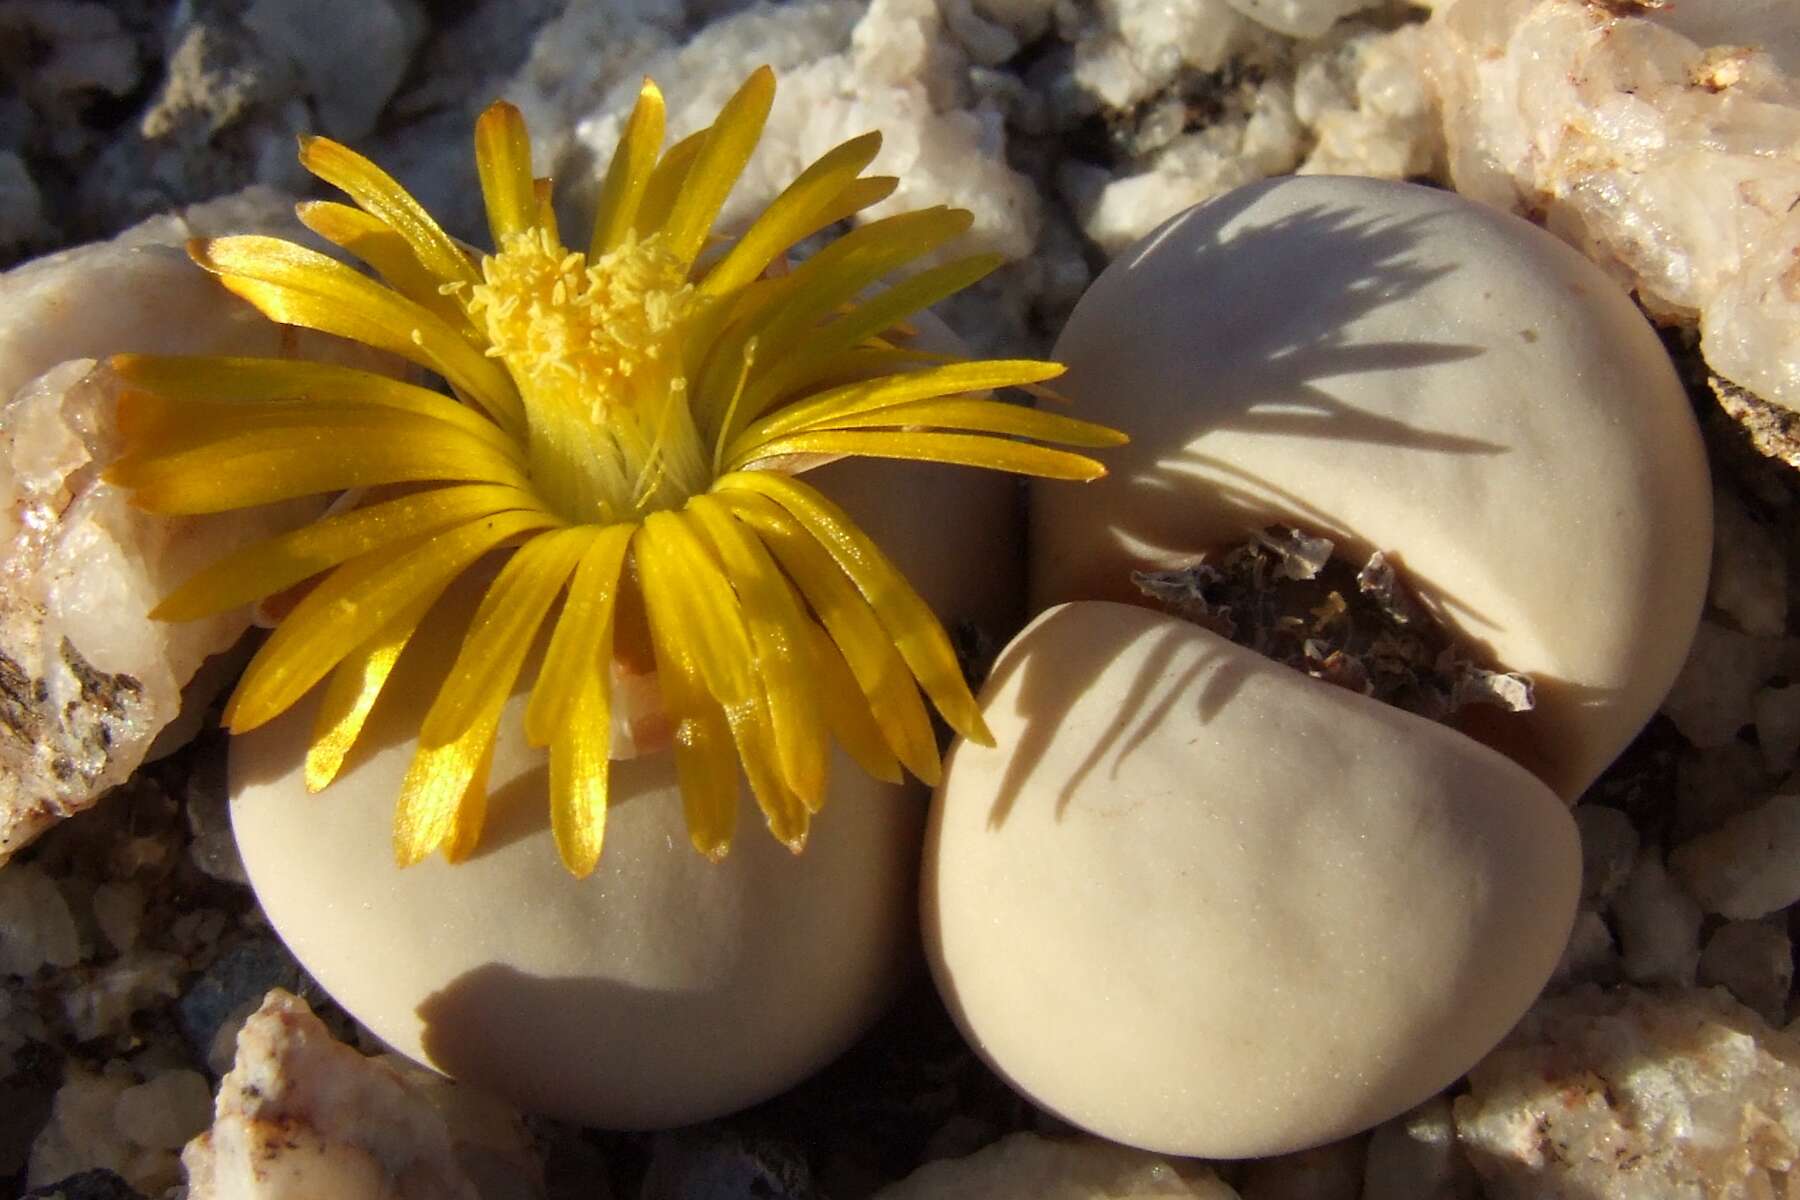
(596,351)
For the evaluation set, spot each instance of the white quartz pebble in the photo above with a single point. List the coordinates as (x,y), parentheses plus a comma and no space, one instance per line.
(1748,866)
(1659,924)
(1199,903)
(1399,369)
(1025,1166)
(301,1115)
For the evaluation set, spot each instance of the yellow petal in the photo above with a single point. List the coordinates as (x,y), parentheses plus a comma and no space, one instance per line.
(629,172)
(543,193)
(471,814)
(862,396)
(369,238)
(880,673)
(705,761)
(791,214)
(874,316)
(281,562)
(908,620)
(267,465)
(443,798)
(579,767)
(861,194)
(352,690)
(780,312)
(705,612)
(295,286)
(780,645)
(361,595)
(841,271)
(666,180)
(581,645)
(980,416)
(847,710)
(243,382)
(718,164)
(962,449)
(377,193)
(503,630)
(503,161)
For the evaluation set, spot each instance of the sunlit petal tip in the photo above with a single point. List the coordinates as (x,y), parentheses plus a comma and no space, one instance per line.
(501,112)
(319,773)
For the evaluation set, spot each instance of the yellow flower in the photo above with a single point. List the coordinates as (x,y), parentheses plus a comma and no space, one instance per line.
(625,422)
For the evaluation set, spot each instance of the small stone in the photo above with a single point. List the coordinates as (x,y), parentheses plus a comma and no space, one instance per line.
(1711,700)
(88,1185)
(102,1003)
(1330,1172)
(1300,18)
(1777,712)
(1591,955)
(83,1135)
(1609,846)
(1026,1166)
(1713,786)
(213,847)
(301,1114)
(710,1164)
(1631,1095)
(236,980)
(36,927)
(1415,1156)
(1659,924)
(1750,865)
(1754,961)
(119,911)
(165,1110)
(1749,572)
(351,54)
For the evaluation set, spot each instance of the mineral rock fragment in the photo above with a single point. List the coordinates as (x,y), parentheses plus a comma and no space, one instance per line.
(94,1122)
(1659,924)
(1754,961)
(1750,865)
(86,679)
(1416,1156)
(1635,1095)
(1749,571)
(1669,160)
(301,1114)
(36,927)
(1609,845)
(1028,1167)
(1714,695)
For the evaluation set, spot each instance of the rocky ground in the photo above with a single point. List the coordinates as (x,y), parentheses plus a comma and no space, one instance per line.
(1662,1060)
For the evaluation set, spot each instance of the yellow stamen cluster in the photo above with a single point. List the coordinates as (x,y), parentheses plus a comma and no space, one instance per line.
(620,433)
(595,348)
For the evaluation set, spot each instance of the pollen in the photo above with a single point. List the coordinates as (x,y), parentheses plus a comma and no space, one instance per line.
(594,346)
(583,329)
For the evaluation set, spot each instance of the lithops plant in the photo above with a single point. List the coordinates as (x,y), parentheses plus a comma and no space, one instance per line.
(1199,902)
